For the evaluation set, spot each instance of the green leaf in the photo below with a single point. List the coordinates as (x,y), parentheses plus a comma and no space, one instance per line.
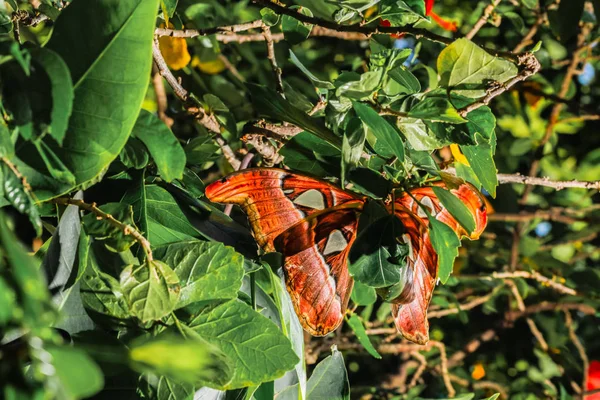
(162,144)
(420,136)
(436,108)
(20,198)
(8,303)
(168,7)
(564,21)
(307,153)
(407,82)
(481,159)
(329,380)
(401,13)
(456,207)
(134,154)
(107,45)
(295,31)
(353,144)
(358,87)
(166,222)
(114,237)
(362,294)
(445,243)
(61,89)
(359,330)
(316,81)
(467,69)
(78,375)
(377,258)
(207,270)
(54,165)
(151,289)
(259,350)
(269,103)
(191,360)
(269,17)
(101,292)
(388,142)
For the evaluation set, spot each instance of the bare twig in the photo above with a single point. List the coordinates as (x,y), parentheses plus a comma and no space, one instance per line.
(549,306)
(544,181)
(487,12)
(471,347)
(560,288)
(463,307)
(444,366)
(420,369)
(193,107)
(528,38)
(161,97)
(580,349)
(126,228)
(521,306)
(266,31)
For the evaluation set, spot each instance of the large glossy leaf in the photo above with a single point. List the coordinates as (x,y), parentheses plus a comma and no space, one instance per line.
(259,350)
(388,142)
(190,360)
(151,289)
(64,262)
(467,69)
(165,220)
(329,380)
(207,270)
(164,147)
(436,108)
(107,46)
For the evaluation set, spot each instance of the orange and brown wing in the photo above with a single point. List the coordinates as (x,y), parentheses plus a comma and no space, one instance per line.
(411,317)
(315,254)
(313,224)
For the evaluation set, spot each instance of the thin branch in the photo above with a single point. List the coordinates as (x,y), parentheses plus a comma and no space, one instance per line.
(420,369)
(471,347)
(531,66)
(161,96)
(463,307)
(521,306)
(544,181)
(444,367)
(549,306)
(266,31)
(560,288)
(487,12)
(126,228)
(580,349)
(528,38)
(358,28)
(192,106)
(523,216)
(557,108)
(191,33)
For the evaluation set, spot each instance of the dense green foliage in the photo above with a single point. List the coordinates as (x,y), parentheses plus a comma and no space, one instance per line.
(118,279)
